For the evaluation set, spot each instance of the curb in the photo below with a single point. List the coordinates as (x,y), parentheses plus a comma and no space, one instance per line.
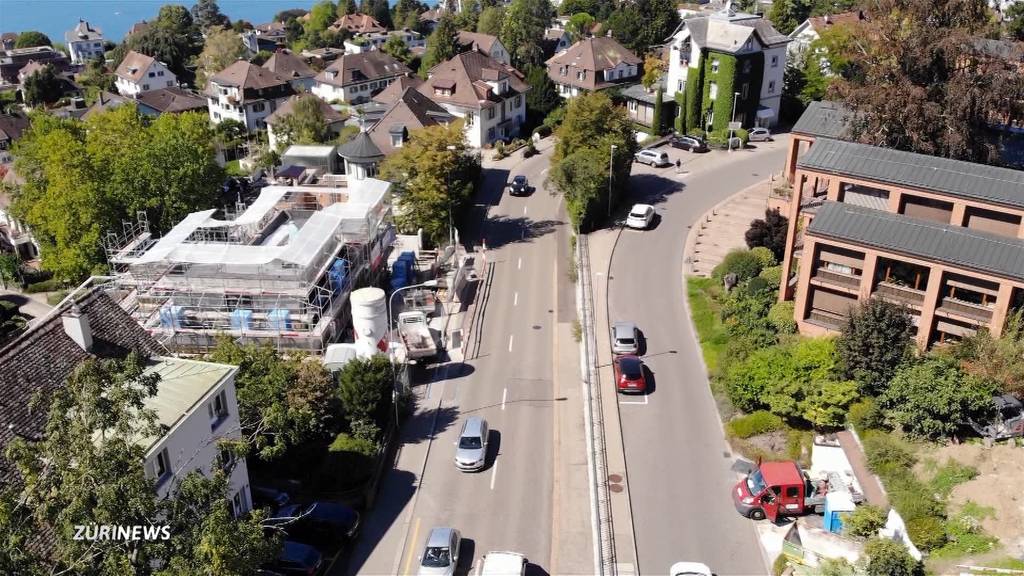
(691,237)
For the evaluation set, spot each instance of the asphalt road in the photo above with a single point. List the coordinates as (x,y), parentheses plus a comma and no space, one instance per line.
(507,381)
(677,459)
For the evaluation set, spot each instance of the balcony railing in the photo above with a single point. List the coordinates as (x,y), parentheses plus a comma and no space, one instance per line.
(967,310)
(900,294)
(829,320)
(837,278)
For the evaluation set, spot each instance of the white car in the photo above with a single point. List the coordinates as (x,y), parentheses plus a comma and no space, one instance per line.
(689,569)
(640,216)
(652,157)
(759,135)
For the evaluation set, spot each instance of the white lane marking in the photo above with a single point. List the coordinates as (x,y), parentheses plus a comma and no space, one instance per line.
(524,210)
(519,266)
(510,337)
(644,403)
(515,301)
(544,171)
(504,396)
(494,473)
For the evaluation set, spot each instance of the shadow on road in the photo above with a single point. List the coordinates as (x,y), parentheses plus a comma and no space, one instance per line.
(466,551)
(492,186)
(418,427)
(652,188)
(16,299)
(493,449)
(649,379)
(395,491)
(535,570)
(502,230)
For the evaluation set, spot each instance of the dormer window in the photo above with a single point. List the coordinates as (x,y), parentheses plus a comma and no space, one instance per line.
(564,70)
(396,140)
(748,44)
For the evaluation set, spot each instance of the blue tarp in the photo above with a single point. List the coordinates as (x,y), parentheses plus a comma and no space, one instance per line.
(241,319)
(172,316)
(338,275)
(279,319)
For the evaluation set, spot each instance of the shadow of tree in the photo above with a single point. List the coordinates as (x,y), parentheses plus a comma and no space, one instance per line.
(502,230)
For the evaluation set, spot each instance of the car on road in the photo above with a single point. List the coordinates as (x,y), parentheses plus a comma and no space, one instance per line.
(689,569)
(320,522)
(296,559)
(640,216)
(629,374)
(691,143)
(441,552)
(471,447)
(759,135)
(502,564)
(625,338)
(652,157)
(519,186)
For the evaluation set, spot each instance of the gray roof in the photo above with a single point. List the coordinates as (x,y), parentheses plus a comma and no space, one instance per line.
(966,180)
(824,119)
(360,148)
(728,33)
(953,245)
(638,92)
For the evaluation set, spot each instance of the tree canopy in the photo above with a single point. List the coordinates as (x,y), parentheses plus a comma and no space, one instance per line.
(644,23)
(874,343)
(42,87)
(206,14)
(786,15)
(221,49)
(1015,21)
(522,32)
(304,125)
(996,358)
(395,47)
(442,44)
(32,38)
(490,20)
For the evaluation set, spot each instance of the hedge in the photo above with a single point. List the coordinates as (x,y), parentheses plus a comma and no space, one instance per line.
(50,285)
(754,424)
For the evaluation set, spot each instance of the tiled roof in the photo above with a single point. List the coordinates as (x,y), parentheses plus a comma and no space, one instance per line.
(412,111)
(83,31)
(360,149)
(134,66)
(464,76)
(104,101)
(31,68)
(247,75)
(286,64)
(330,114)
(41,359)
(1003,186)
(138,28)
(824,119)
(362,67)
(357,23)
(12,126)
(478,41)
(952,245)
(395,90)
(432,15)
(172,100)
(591,54)
(729,34)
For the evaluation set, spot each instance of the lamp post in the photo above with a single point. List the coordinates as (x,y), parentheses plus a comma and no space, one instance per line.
(611,175)
(735,97)
(451,227)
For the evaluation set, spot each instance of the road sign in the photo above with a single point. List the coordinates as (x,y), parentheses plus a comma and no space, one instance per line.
(735,125)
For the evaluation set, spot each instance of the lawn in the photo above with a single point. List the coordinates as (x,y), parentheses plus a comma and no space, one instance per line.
(234,168)
(705,312)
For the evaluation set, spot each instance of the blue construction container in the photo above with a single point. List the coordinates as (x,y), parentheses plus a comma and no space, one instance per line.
(172,316)
(241,319)
(837,506)
(279,319)
(338,275)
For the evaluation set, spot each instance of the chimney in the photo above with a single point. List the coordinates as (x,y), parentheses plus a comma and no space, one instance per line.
(76,326)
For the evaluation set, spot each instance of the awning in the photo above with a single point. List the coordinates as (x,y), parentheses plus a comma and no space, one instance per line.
(764,113)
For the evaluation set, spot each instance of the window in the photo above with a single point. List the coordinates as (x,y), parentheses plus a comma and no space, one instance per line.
(632,105)
(169,83)
(680,86)
(160,467)
(145,86)
(714,65)
(775,61)
(712,90)
(748,44)
(237,504)
(490,113)
(160,73)
(227,459)
(771,86)
(519,101)
(152,74)
(216,115)
(490,133)
(469,118)
(258,107)
(792,491)
(564,70)
(396,140)
(218,409)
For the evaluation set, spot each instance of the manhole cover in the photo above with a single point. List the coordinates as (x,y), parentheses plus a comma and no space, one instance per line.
(616,478)
(615,488)
(536,326)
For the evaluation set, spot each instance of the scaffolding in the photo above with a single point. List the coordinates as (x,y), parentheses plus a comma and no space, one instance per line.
(277,272)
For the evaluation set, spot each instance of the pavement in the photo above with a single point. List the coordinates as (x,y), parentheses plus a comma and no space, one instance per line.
(33,305)
(720,230)
(519,370)
(676,464)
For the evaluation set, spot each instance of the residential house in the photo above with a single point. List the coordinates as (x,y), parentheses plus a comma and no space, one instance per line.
(172,100)
(84,42)
(138,28)
(593,64)
(335,120)
(15,237)
(357,23)
(323,56)
(376,40)
(727,55)
(66,86)
(247,93)
(265,37)
(945,238)
(8,40)
(286,64)
(355,78)
(139,73)
(810,30)
(107,101)
(12,61)
(430,18)
(370,112)
(485,44)
(641,102)
(488,95)
(556,40)
(12,126)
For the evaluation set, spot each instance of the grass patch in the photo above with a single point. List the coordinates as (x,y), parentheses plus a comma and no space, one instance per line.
(234,168)
(948,476)
(706,314)
(54,298)
(577,331)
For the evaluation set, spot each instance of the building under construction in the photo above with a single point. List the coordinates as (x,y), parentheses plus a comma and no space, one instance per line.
(277,272)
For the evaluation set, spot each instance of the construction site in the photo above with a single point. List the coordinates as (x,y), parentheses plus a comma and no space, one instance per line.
(278,271)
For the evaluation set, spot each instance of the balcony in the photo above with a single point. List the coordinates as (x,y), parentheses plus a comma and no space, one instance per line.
(826,319)
(966,310)
(899,294)
(845,282)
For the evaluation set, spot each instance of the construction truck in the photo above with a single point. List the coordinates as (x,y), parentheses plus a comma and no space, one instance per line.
(416,335)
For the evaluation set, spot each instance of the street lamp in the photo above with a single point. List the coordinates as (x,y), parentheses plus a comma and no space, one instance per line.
(451,227)
(611,174)
(735,97)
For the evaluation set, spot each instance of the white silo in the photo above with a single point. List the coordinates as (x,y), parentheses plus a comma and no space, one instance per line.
(370,318)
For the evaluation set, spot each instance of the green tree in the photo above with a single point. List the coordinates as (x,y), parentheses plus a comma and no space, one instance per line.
(396,48)
(865,521)
(542,96)
(42,87)
(522,32)
(996,358)
(346,7)
(641,24)
(583,156)
(365,388)
(381,11)
(430,181)
(769,232)
(654,69)
(442,44)
(786,15)
(32,38)
(579,25)
(290,14)
(322,15)
(95,78)
(490,20)
(10,269)
(874,343)
(406,14)
(599,9)
(206,14)
(885,557)
(935,399)
(657,122)
(221,49)
(12,321)
(1014,19)
(304,125)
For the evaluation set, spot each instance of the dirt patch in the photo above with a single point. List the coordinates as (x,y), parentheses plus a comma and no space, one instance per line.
(999,485)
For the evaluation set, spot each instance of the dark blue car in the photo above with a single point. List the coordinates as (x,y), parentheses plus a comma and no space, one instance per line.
(296,558)
(318,522)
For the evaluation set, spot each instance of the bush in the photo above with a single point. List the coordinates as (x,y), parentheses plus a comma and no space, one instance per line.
(499,150)
(51,285)
(886,454)
(348,443)
(875,341)
(742,263)
(760,422)
(757,285)
(696,133)
(864,521)
(772,275)
(554,118)
(865,415)
(889,558)
(530,149)
(769,233)
(780,315)
(927,532)
(543,130)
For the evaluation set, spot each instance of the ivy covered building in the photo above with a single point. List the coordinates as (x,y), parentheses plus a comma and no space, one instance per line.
(725,56)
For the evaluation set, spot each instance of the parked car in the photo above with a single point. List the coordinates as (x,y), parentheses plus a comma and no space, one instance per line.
(441,552)
(296,559)
(689,569)
(319,522)
(471,447)
(519,186)
(625,338)
(629,374)
(759,135)
(267,497)
(503,564)
(640,216)
(691,143)
(652,157)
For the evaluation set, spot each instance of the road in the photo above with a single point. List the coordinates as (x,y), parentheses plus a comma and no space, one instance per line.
(677,459)
(507,378)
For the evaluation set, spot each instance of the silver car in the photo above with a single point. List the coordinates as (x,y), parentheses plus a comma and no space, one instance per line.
(441,553)
(471,447)
(625,338)
(759,135)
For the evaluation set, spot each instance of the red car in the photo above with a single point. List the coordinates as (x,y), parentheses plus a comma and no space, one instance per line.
(629,374)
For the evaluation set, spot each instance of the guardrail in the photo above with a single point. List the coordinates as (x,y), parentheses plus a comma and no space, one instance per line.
(597,458)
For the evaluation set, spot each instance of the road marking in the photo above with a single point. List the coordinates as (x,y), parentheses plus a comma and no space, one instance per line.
(644,403)
(519,266)
(504,395)
(408,557)
(515,301)
(510,337)
(524,210)
(544,171)
(494,473)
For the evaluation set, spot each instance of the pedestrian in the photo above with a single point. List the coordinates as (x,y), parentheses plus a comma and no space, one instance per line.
(679,166)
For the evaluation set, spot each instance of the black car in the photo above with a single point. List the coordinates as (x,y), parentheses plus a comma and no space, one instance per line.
(320,522)
(295,559)
(519,186)
(691,143)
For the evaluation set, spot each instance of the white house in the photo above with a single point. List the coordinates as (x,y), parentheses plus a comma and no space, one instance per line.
(84,42)
(355,78)
(286,64)
(485,44)
(810,30)
(701,45)
(375,40)
(247,93)
(195,403)
(139,73)
(488,95)
(593,64)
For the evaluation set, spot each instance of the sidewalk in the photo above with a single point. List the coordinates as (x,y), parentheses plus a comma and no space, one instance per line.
(715,235)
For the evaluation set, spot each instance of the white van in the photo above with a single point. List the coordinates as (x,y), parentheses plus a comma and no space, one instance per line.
(652,157)
(503,564)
